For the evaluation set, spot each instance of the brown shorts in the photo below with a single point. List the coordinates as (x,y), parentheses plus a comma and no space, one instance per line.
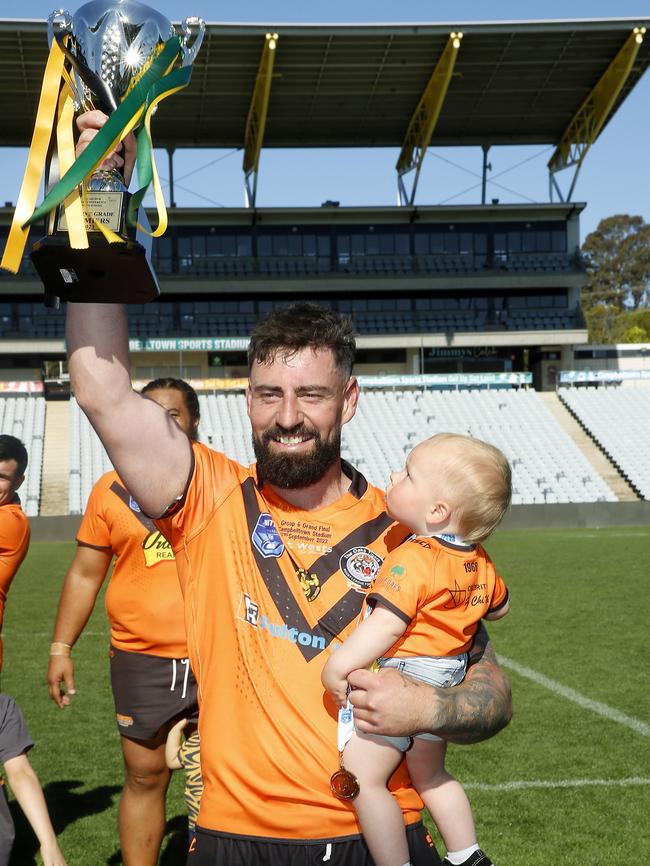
(214,849)
(150,691)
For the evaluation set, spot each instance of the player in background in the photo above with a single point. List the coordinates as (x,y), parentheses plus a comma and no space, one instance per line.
(151,679)
(14,525)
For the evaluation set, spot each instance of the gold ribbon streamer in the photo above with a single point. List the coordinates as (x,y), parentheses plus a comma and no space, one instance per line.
(38,148)
(74,215)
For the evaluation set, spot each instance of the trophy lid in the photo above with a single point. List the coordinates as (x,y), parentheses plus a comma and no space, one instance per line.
(114,40)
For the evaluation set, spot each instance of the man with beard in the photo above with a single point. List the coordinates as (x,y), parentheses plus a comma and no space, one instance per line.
(274,561)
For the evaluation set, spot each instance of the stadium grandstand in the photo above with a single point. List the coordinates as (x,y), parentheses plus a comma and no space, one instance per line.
(468,316)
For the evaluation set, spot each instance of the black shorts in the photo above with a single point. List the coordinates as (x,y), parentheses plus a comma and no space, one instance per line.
(150,691)
(213,849)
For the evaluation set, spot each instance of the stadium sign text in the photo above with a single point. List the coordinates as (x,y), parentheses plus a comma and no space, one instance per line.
(190,344)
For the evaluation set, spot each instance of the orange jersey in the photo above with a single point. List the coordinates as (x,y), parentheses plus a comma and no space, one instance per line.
(143,600)
(441,590)
(14,541)
(269,590)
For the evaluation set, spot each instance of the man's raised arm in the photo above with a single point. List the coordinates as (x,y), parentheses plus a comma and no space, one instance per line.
(390,703)
(148,449)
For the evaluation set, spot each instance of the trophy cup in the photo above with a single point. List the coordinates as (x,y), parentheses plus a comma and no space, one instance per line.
(116,56)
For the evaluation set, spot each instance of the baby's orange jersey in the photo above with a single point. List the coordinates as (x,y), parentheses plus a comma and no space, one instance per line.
(441,590)
(14,541)
(269,591)
(144,602)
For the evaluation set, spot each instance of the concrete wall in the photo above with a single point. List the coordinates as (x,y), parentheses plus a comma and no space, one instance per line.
(584,515)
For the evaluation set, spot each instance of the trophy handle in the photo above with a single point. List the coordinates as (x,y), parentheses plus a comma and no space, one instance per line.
(193,32)
(59,21)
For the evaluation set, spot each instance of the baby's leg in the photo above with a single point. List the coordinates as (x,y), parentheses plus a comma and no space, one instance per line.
(443,796)
(373,761)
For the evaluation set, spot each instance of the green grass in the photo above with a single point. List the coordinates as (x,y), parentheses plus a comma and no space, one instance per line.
(580,608)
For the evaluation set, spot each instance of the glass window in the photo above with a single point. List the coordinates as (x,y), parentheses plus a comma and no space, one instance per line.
(358,246)
(372,244)
(543,241)
(451,242)
(323,245)
(309,245)
(422,303)
(264,245)
(280,245)
(402,245)
(437,242)
(480,243)
(387,244)
(466,243)
(421,244)
(528,242)
(229,245)
(558,241)
(513,242)
(244,245)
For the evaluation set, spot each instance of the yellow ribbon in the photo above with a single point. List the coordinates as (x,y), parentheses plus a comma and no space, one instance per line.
(41,136)
(74,215)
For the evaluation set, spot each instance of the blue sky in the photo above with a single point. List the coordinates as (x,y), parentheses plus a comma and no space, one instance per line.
(613,179)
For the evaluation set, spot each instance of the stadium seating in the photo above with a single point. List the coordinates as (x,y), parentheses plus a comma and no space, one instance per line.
(618,418)
(547,466)
(24,417)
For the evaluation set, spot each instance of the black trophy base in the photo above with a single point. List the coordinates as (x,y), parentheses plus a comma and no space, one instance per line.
(102,274)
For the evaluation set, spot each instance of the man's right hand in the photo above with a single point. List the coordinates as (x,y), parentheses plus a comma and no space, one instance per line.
(60,680)
(122,158)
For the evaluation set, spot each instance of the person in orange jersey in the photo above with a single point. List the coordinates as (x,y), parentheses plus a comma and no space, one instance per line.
(274,560)
(426,603)
(151,679)
(14,525)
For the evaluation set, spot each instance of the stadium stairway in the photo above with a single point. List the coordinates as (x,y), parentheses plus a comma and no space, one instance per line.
(607,471)
(56,459)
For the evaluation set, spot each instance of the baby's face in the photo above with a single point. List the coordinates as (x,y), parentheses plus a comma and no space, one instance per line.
(411,491)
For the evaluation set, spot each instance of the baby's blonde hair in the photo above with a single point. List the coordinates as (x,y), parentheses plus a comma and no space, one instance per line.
(478,483)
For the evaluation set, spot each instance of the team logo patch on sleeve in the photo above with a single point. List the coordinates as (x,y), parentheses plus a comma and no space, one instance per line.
(360,566)
(133,505)
(266,537)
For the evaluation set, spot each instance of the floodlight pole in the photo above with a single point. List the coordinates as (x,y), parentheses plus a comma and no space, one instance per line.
(424,119)
(256,120)
(592,115)
(487,166)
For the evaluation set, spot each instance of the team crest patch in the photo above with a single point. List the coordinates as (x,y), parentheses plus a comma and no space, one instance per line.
(309,583)
(266,537)
(133,505)
(360,566)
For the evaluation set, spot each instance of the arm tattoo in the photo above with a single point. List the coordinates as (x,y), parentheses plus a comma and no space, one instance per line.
(481,705)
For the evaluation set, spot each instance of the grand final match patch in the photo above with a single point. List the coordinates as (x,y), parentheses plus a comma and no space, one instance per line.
(266,537)
(360,566)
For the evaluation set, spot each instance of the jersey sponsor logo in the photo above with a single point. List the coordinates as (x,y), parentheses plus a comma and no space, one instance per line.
(124,721)
(156,549)
(309,583)
(133,505)
(249,612)
(266,537)
(360,566)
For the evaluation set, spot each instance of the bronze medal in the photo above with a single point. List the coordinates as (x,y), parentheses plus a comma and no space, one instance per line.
(344,784)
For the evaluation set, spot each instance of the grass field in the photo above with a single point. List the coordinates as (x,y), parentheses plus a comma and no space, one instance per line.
(567,783)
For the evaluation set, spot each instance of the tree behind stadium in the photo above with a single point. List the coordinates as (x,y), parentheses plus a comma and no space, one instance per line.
(616,293)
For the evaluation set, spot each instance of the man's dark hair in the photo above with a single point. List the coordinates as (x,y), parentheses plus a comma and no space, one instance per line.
(13,449)
(303,325)
(170,384)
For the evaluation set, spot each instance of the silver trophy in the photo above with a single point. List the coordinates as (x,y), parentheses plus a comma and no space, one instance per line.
(109,47)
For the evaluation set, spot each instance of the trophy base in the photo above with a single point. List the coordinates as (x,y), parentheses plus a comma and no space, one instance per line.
(102,274)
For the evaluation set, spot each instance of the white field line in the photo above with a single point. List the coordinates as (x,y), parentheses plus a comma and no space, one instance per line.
(604,710)
(558,783)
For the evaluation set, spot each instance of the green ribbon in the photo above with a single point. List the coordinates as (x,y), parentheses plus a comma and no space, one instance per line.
(176,78)
(111,130)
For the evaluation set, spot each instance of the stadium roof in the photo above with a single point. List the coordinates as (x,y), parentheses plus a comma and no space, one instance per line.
(358,85)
